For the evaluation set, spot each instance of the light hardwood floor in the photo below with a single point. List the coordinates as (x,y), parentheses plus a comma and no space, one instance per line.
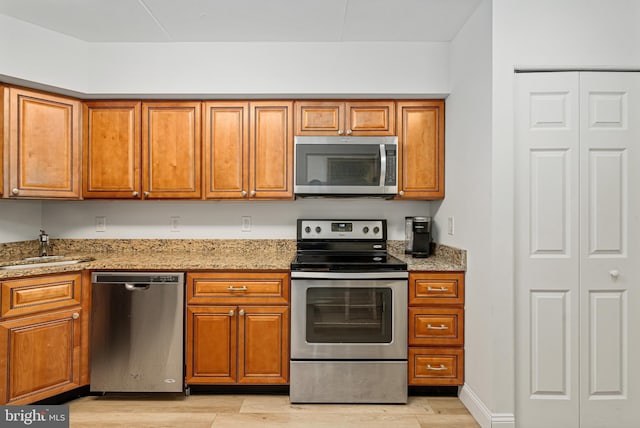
(264,411)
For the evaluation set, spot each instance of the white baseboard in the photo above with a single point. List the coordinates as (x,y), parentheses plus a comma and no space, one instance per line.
(481,412)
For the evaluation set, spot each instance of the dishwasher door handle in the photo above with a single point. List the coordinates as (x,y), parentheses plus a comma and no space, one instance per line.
(136,287)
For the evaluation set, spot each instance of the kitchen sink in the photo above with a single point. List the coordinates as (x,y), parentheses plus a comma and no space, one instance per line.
(44,261)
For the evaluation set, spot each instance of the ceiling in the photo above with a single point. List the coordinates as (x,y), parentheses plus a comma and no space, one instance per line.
(246,20)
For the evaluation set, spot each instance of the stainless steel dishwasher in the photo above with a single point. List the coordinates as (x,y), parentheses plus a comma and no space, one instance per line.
(137,332)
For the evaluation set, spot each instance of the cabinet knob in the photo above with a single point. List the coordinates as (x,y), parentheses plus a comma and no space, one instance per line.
(253,193)
(15,191)
(231,313)
(134,194)
(340,132)
(241,312)
(349,132)
(614,273)
(146,194)
(401,193)
(75,316)
(244,193)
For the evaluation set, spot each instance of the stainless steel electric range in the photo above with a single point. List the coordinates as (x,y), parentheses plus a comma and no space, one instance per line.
(348,315)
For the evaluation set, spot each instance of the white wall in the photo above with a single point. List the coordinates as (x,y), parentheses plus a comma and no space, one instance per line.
(197,70)
(468,193)
(232,69)
(215,220)
(20,220)
(539,34)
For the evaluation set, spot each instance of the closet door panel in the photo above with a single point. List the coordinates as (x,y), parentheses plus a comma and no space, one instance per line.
(547,256)
(609,248)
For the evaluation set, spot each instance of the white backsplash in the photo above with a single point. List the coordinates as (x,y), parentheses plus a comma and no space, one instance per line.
(211,219)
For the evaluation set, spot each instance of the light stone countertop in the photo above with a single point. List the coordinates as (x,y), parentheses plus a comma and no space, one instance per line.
(192,255)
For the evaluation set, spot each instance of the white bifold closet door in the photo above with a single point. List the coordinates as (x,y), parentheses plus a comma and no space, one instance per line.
(577,137)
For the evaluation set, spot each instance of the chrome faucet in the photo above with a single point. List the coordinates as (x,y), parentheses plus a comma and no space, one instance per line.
(44,243)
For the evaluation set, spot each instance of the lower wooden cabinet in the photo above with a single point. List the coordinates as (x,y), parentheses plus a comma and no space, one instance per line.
(436,328)
(44,351)
(243,343)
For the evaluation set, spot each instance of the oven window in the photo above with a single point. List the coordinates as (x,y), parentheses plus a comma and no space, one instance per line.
(349,315)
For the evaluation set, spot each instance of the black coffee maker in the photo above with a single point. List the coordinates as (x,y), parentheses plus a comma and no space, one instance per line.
(418,236)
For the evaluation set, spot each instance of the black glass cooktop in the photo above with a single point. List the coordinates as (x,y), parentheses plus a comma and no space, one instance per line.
(347,262)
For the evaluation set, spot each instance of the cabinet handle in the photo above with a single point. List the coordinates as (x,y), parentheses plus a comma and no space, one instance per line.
(75,316)
(340,132)
(15,191)
(135,194)
(401,193)
(232,288)
(442,327)
(442,367)
(253,193)
(437,289)
(241,312)
(244,193)
(145,194)
(614,273)
(231,313)
(349,132)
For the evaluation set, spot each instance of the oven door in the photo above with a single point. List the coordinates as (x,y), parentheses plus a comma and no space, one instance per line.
(349,316)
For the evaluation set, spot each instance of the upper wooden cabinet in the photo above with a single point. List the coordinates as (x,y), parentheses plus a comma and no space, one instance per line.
(43,153)
(112,159)
(3,137)
(171,149)
(248,149)
(421,149)
(351,118)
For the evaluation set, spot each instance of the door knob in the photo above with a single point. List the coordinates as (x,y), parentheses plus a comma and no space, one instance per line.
(75,316)
(15,191)
(614,273)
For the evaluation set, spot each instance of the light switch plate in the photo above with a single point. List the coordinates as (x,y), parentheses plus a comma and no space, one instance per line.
(175,224)
(450,226)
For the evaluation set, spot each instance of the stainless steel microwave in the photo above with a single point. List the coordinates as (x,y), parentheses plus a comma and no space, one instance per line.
(346,166)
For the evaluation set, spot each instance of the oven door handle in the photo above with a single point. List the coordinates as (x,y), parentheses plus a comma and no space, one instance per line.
(349,275)
(383,164)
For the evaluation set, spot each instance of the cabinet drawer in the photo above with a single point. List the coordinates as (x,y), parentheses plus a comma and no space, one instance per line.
(431,326)
(259,288)
(444,366)
(31,295)
(436,288)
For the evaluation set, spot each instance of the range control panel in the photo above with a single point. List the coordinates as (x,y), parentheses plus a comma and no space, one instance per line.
(342,229)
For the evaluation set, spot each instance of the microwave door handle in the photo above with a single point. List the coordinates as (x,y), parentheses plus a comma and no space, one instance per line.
(383,164)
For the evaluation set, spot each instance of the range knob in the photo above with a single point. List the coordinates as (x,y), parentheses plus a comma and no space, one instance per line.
(307,229)
(365,230)
(318,229)
(376,230)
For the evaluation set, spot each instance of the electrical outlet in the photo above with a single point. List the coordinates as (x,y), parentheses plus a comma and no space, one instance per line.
(175,224)
(246,224)
(101,223)
(450,226)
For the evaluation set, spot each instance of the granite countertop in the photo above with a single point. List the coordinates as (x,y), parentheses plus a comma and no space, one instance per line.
(191,255)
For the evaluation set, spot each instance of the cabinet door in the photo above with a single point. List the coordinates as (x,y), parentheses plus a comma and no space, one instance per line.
(44,145)
(3,118)
(421,149)
(370,118)
(112,149)
(226,149)
(319,117)
(171,142)
(271,150)
(211,345)
(263,345)
(42,356)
